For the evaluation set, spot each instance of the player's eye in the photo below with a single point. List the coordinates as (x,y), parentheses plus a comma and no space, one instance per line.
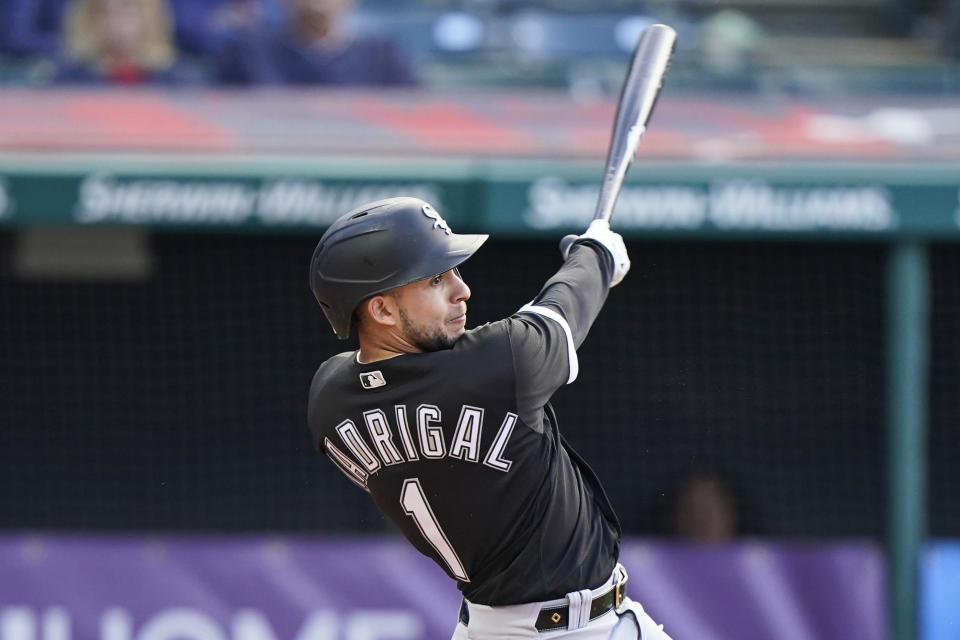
(437,279)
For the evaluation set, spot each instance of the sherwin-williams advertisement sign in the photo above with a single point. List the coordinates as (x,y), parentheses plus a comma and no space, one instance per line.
(508,201)
(742,205)
(144,588)
(103,198)
(190,201)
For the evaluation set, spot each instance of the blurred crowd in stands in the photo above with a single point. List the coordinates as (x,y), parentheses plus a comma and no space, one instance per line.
(579,44)
(229,42)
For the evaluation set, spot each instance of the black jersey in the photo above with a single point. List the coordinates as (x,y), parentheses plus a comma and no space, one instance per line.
(461,449)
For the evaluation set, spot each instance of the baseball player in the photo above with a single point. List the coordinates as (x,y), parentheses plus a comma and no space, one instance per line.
(451,432)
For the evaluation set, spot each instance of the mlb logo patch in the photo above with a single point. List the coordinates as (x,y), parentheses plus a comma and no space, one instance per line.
(372,380)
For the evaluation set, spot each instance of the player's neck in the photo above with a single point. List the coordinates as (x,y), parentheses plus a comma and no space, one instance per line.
(365,357)
(374,351)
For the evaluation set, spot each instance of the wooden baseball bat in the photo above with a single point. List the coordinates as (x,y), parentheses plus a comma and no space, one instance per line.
(637,99)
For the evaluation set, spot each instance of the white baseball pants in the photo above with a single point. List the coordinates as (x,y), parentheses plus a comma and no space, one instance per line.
(628,622)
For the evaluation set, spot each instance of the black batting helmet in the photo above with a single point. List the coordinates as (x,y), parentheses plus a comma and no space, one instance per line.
(379,246)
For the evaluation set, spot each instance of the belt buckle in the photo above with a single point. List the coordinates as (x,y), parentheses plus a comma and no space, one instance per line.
(617,596)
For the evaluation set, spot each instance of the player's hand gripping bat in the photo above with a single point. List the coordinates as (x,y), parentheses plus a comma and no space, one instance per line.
(637,99)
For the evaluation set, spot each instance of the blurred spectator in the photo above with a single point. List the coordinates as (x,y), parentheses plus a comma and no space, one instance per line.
(123,42)
(706,509)
(938,22)
(315,46)
(30,27)
(204,27)
(732,43)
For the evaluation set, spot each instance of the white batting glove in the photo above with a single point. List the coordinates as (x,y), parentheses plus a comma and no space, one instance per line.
(599,231)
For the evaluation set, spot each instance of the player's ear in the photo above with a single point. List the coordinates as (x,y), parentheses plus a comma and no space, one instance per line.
(382,310)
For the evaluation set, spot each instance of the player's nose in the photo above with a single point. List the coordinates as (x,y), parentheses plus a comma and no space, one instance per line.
(461,291)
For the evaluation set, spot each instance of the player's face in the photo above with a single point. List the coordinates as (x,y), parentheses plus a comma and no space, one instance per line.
(433,311)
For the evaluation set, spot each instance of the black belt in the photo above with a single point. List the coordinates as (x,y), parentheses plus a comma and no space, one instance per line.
(558,616)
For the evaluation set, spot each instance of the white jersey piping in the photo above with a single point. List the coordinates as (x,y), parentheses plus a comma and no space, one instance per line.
(559,319)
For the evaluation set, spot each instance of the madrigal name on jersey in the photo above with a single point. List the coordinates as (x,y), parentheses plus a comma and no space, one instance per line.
(383,426)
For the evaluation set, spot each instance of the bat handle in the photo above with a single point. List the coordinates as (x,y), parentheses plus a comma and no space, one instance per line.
(608,196)
(622,151)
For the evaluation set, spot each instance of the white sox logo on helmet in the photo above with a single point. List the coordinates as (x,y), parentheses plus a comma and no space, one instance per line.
(438,222)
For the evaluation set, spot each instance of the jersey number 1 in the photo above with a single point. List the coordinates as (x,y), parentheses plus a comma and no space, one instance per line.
(415,505)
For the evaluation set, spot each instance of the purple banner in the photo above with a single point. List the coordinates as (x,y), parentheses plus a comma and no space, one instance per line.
(141,588)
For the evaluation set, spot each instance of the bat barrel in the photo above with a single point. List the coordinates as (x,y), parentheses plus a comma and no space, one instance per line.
(637,100)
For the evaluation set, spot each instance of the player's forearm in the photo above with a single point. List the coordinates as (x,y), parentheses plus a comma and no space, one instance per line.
(579,288)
